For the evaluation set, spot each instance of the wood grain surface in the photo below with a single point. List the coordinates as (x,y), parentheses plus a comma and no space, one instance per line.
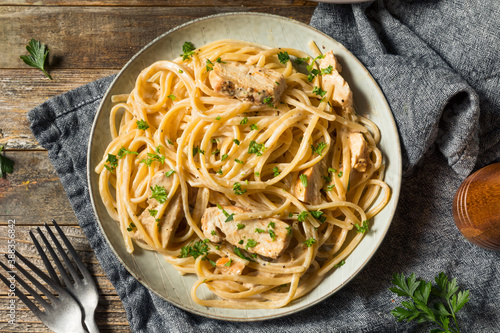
(88,39)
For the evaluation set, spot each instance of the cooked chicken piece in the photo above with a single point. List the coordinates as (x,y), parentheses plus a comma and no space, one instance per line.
(315,181)
(360,155)
(256,236)
(169,221)
(230,267)
(258,85)
(342,94)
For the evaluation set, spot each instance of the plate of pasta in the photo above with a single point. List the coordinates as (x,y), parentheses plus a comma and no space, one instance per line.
(244,166)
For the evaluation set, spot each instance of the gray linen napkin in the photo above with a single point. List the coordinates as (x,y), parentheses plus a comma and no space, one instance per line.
(437,63)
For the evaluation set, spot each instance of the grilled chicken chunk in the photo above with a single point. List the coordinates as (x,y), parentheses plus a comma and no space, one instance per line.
(169,221)
(360,155)
(230,267)
(315,181)
(342,94)
(257,235)
(260,86)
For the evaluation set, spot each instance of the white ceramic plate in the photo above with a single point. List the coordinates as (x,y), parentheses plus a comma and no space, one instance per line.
(149,268)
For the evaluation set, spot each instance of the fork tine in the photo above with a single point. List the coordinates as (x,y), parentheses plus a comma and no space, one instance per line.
(46,261)
(68,262)
(21,296)
(42,275)
(54,256)
(37,284)
(26,286)
(72,250)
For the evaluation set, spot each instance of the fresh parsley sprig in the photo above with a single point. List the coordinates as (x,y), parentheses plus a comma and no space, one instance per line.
(437,304)
(38,53)
(6,164)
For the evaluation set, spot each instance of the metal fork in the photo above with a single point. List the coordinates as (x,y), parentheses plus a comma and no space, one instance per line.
(62,314)
(83,289)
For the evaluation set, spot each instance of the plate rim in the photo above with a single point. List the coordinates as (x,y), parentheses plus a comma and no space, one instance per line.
(395,192)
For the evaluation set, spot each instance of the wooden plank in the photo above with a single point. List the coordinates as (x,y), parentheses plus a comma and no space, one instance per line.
(102,37)
(159,3)
(23,89)
(110,316)
(33,193)
(24,245)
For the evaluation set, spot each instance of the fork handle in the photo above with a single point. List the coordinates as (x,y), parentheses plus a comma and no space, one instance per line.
(91,324)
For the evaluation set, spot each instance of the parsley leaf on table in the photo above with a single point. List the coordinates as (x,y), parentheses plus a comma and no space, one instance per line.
(6,164)
(438,305)
(37,55)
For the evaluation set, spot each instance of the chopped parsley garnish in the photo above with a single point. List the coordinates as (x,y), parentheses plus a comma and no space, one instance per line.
(227,264)
(159,193)
(198,248)
(330,187)
(318,91)
(327,70)
(251,243)
(213,232)
(271,225)
(238,161)
(272,234)
(362,228)
(169,173)
(313,74)
(237,189)
(131,226)
(244,121)
(276,171)
(172,97)
(197,150)
(302,216)
(318,215)
(241,255)
(7,165)
(142,124)
(310,67)
(268,101)
(303,179)
(319,148)
(229,217)
(219,171)
(154,157)
(236,141)
(283,57)
(240,226)
(300,61)
(310,242)
(170,142)
(216,151)
(112,163)
(219,60)
(257,174)
(223,157)
(289,230)
(241,241)
(152,212)
(187,50)
(256,148)
(259,230)
(342,263)
(124,151)
(253,127)
(218,118)
(181,71)
(327,178)
(332,170)
(210,65)
(340,174)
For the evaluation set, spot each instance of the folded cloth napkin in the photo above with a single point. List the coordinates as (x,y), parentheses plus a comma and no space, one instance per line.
(437,63)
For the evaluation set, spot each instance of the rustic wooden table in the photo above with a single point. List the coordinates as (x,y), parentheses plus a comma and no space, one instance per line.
(88,39)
